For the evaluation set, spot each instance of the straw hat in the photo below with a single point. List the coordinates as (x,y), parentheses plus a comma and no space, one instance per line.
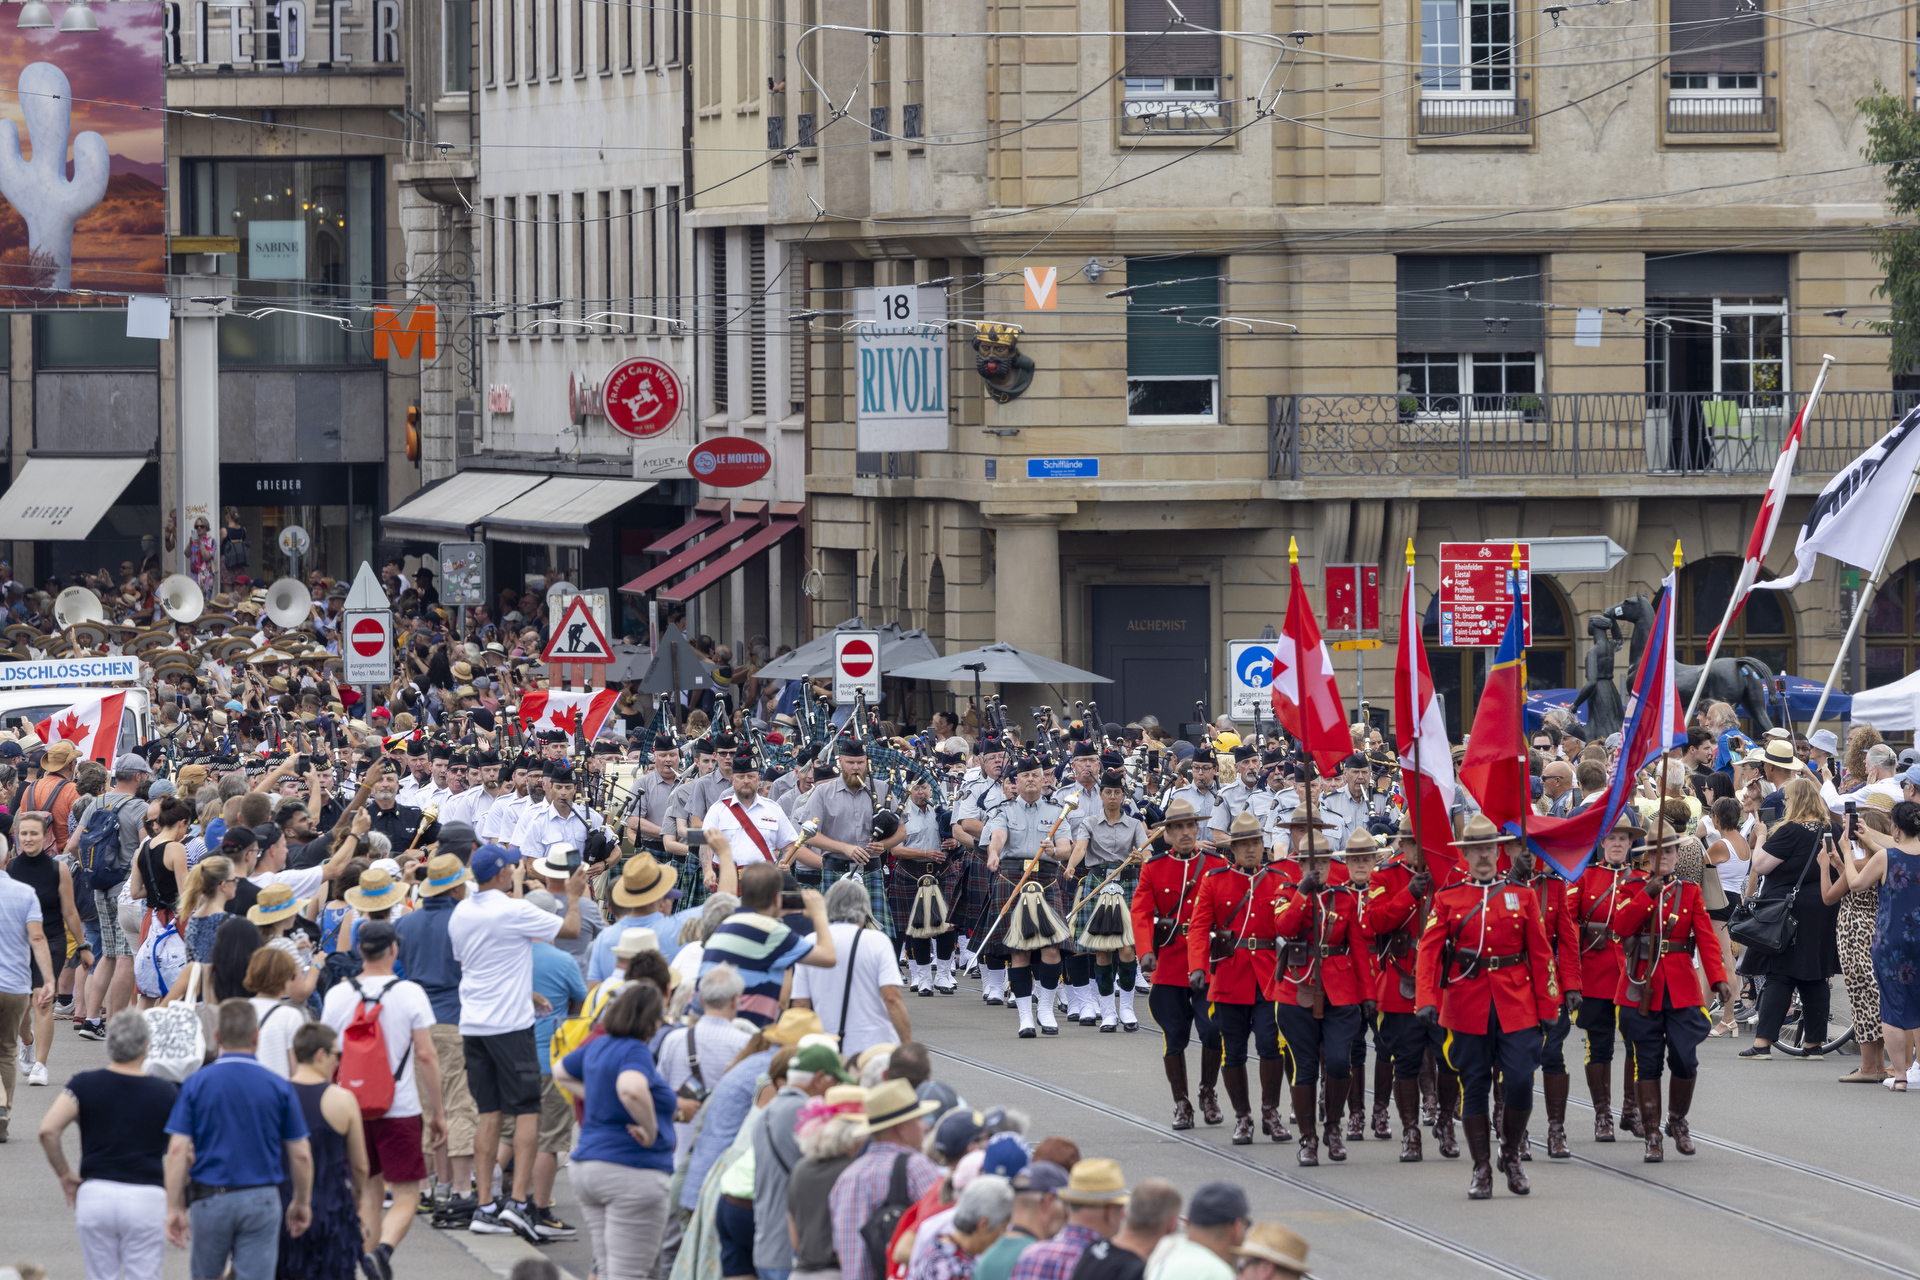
(1480,830)
(643,881)
(1780,755)
(1274,1243)
(892,1102)
(793,1024)
(633,941)
(276,902)
(1095,1182)
(377,891)
(544,866)
(445,873)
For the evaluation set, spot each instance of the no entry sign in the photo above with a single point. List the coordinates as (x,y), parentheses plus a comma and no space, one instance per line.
(856,666)
(1474,597)
(368,654)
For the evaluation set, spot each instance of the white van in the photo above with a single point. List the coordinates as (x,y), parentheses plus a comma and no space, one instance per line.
(32,705)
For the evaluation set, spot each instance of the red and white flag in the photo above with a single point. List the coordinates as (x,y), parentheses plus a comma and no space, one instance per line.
(583,712)
(1426,758)
(92,726)
(1306,697)
(1770,508)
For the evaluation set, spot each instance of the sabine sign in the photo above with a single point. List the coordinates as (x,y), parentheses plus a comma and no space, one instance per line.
(902,349)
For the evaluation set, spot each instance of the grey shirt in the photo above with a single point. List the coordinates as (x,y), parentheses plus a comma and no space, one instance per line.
(652,795)
(1347,814)
(845,815)
(775,1154)
(1203,802)
(1109,843)
(1026,826)
(1234,798)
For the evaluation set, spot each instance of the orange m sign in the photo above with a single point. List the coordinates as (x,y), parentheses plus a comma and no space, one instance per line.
(421,329)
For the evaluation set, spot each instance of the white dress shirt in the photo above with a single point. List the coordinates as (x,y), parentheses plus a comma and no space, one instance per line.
(775,827)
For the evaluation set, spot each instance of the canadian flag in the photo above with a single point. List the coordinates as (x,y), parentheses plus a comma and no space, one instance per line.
(92,726)
(582,712)
(1306,697)
(1771,504)
(1426,760)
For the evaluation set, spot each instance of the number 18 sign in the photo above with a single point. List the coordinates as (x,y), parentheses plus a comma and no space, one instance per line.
(902,381)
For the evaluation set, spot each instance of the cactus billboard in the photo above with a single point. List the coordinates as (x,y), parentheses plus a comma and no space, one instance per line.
(83,160)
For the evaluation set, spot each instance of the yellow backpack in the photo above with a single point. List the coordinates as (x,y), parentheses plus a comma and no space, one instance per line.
(577,1030)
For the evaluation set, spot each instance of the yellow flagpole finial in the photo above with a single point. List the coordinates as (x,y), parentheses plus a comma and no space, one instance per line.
(1516,555)
(1293,551)
(1676,553)
(1409,553)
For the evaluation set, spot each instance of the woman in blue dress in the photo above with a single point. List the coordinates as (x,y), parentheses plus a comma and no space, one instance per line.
(1895,866)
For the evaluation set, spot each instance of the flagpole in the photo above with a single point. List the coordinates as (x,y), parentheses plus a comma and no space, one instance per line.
(1733,601)
(1413,701)
(1866,600)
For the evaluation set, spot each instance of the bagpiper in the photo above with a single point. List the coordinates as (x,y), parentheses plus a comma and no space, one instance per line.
(1663,1014)
(1162,914)
(1393,916)
(1486,974)
(1108,850)
(1230,946)
(1593,903)
(1026,848)
(1325,989)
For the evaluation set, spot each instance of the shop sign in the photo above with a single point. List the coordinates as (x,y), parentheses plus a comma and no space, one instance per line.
(729,462)
(641,397)
(902,373)
(277,250)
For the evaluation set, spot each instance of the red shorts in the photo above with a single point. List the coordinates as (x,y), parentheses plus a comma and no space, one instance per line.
(393,1149)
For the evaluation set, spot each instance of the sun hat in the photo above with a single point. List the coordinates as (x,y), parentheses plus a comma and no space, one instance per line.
(643,881)
(892,1102)
(1095,1182)
(377,891)
(1480,830)
(793,1024)
(633,941)
(1274,1243)
(275,903)
(444,873)
(1780,755)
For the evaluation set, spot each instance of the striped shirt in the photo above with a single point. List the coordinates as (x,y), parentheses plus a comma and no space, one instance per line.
(762,949)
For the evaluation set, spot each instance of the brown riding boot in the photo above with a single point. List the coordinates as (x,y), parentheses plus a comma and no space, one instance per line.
(1499,1121)
(1303,1115)
(1383,1092)
(1176,1065)
(1479,1145)
(1679,1102)
(1449,1090)
(1406,1098)
(1513,1144)
(1649,1091)
(1337,1091)
(1236,1082)
(1600,1087)
(1357,1098)
(1211,1057)
(1629,1098)
(1429,1081)
(1273,1078)
(1556,1089)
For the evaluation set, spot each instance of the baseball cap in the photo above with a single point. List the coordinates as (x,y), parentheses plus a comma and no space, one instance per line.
(131,763)
(457,837)
(822,1057)
(489,860)
(956,1132)
(1216,1204)
(1044,1175)
(1006,1155)
(377,935)
(1912,775)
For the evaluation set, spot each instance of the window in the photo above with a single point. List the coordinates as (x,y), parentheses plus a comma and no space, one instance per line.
(531,10)
(672,248)
(510,25)
(880,74)
(1469,325)
(553,39)
(1173,361)
(605,300)
(650,284)
(577,21)
(717,273)
(913,84)
(1466,46)
(490,31)
(757,321)
(1172,77)
(603,37)
(1893,638)
(456,39)
(579,280)
(90,340)
(309,239)
(1715,70)
(1764,629)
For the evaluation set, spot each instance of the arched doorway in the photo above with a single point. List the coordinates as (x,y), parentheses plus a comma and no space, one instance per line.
(1892,629)
(1460,674)
(1764,629)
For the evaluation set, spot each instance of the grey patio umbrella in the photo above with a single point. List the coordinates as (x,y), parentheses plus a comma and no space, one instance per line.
(1002,664)
(676,666)
(815,657)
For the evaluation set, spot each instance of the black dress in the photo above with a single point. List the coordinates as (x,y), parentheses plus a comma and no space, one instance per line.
(329,1249)
(1815,953)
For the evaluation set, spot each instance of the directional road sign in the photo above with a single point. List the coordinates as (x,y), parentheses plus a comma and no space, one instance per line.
(1474,596)
(1251,665)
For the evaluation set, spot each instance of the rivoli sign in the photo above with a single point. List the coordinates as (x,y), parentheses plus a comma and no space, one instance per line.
(902,371)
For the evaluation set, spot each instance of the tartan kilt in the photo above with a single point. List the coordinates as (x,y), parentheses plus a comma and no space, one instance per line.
(874,876)
(1127,882)
(903,882)
(1052,884)
(809,877)
(693,886)
(967,884)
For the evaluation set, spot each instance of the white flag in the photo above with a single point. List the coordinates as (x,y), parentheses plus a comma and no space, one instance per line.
(1850,518)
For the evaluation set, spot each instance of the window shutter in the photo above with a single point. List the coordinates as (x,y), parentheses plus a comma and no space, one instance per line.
(1701,26)
(1434,320)
(1158,345)
(1178,52)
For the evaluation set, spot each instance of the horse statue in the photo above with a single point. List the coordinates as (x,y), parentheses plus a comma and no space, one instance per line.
(1606,714)
(1740,682)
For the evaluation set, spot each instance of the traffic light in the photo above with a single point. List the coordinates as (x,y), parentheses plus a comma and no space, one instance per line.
(1007,372)
(413,433)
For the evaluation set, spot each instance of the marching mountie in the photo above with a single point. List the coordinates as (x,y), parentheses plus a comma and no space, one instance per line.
(1026,847)
(1550,891)
(1486,974)
(1324,996)
(1359,858)
(1593,904)
(1203,795)
(1163,905)
(1231,938)
(1104,850)
(1662,1012)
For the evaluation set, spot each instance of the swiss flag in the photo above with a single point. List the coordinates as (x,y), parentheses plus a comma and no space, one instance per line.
(582,712)
(1306,697)
(92,726)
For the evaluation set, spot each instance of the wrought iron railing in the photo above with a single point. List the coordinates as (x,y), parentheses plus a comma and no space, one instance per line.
(1142,116)
(1587,434)
(1723,115)
(887,466)
(776,133)
(1451,117)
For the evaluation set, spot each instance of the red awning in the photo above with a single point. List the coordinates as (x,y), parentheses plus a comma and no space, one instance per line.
(708,513)
(756,521)
(726,564)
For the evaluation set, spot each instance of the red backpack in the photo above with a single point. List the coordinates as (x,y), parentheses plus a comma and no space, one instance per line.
(363,1056)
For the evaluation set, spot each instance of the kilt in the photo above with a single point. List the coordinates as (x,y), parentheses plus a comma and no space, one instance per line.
(1126,883)
(1052,884)
(903,882)
(968,887)
(693,886)
(874,876)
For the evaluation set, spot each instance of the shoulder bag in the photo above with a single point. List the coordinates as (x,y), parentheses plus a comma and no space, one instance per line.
(1767,925)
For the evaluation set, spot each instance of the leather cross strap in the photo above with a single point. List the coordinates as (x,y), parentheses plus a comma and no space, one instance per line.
(753,832)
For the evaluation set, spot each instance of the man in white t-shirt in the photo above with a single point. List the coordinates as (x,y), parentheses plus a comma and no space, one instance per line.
(396,1159)
(877,1007)
(728,837)
(492,935)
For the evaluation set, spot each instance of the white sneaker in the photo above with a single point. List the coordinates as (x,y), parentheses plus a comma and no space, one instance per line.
(1109,1014)
(1044,1010)
(1127,1020)
(38,1075)
(1913,1077)
(1025,1005)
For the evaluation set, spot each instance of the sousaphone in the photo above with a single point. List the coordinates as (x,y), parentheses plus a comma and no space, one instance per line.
(289,604)
(181,598)
(77,605)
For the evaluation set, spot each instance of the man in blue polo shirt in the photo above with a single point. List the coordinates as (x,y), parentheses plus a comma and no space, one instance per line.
(237,1132)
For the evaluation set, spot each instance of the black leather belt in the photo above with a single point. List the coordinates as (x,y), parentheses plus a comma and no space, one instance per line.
(1255,944)
(1467,960)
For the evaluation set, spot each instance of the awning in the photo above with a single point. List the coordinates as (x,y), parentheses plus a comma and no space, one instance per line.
(560,510)
(760,524)
(62,499)
(449,508)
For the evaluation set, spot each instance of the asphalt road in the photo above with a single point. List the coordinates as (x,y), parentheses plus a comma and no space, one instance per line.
(1796,1174)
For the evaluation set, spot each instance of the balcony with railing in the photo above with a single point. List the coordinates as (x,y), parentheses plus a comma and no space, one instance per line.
(1567,436)
(1180,116)
(1716,115)
(1442,116)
